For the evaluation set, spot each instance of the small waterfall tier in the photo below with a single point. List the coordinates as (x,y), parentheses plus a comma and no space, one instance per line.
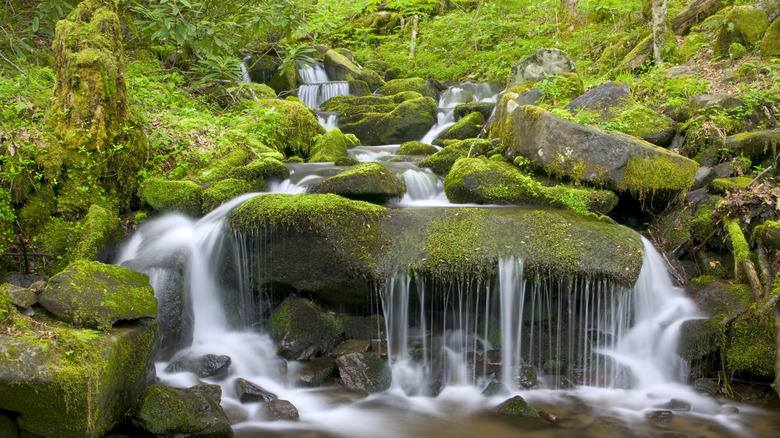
(316,87)
(454,96)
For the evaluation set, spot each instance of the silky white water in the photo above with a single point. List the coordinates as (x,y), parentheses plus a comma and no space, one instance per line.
(441,339)
(454,96)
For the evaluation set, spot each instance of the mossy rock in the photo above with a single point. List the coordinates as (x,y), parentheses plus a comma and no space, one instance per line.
(37,210)
(744,25)
(261,168)
(79,386)
(95,295)
(642,54)
(417,148)
(751,347)
(469,126)
(481,181)
(770,44)
(165,195)
(538,66)
(755,143)
(768,233)
(371,182)
(340,68)
(364,372)
(223,191)
(359,88)
(441,162)
(302,330)
(174,412)
(720,186)
(464,109)
(419,85)
(516,406)
(330,147)
(99,227)
(299,124)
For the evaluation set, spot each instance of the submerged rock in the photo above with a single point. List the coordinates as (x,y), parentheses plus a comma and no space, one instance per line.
(280,410)
(495,388)
(371,182)
(249,392)
(96,295)
(208,365)
(175,412)
(364,372)
(316,372)
(516,406)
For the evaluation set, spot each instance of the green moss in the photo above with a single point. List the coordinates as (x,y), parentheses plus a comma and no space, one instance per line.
(330,147)
(222,165)
(751,345)
(223,191)
(37,210)
(701,225)
(441,162)
(407,84)
(97,229)
(164,195)
(7,309)
(416,148)
(299,125)
(522,88)
(261,169)
(370,182)
(723,185)
(743,25)
(646,175)
(469,126)
(739,245)
(516,406)
(302,329)
(770,44)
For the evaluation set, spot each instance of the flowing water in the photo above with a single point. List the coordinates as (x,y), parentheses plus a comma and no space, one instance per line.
(454,96)
(316,87)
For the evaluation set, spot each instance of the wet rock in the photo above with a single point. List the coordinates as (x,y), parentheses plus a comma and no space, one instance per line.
(495,388)
(364,327)
(464,109)
(552,418)
(364,372)
(420,85)
(95,295)
(379,347)
(280,410)
(728,410)
(315,372)
(542,63)
(661,418)
(516,406)
(442,161)
(340,68)
(21,297)
(352,346)
(235,413)
(330,147)
(302,330)
(249,392)
(371,182)
(210,390)
(675,404)
(209,365)
(416,148)
(165,195)
(470,126)
(169,412)
(706,386)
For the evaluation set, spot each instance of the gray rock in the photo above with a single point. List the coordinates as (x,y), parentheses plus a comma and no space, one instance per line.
(211,390)
(728,410)
(705,175)
(364,372)
(209,365)
(494,388)
(249,392)
(706,386)
(302,330)
(8,427)
(21,297)
(281,410)
(704,101)
(364,327)
(751,144)
(530,97)
(352,346)
(604,99)
(540,64)
(659,417)
(464,109)
(176,412)
(675,404)
(316,372)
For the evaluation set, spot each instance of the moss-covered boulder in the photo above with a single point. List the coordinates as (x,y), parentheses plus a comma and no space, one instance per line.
(417,148)
(482,181)
(73,383)
(95,295)
(302,330)
(166,195)
(364,372)
(329,245)
(516,406)
(370,182)
(612,102)
(223,191)
(583,153)
(441,162)
(755,143)
(538,66)
(694,13)
(299,124)
(770,43)
(743,25)
(176,412)
(385,120)
(330,147)
(464,109)
(642,54)
(340,68)
(469,126)
(98,228)
(262,168)
(419,85)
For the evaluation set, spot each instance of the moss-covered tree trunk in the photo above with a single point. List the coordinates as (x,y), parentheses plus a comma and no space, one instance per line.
(660,28)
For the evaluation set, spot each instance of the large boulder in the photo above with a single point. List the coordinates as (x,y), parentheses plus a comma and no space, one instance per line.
(753,144)
(694,14)
(340,68)
(165,195)
(208,365)
(482,181)
(583,153)
(223,191)
(370,182)
(385,120)
(299,124)
(80,386)
(420,85)
(264,168)
(330,147)
(95,295)
(441,162)
(364,372)
(464,109)
(302,330)
(770,43)
(612,102)
(542,63)
(743,25)
(469,126)
(177,412)
(99,227)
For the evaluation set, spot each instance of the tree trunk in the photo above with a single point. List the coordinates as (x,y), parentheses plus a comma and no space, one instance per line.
(660,11)
(415,23)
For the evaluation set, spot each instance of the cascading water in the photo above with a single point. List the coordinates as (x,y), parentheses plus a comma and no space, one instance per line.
(454,96)
(612,348)
(317,88)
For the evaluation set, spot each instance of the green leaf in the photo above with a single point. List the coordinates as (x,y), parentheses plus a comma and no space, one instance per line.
(36,24)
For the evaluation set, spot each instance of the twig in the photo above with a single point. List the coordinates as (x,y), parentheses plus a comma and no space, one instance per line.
(17,67)
(758,177)
(698,247)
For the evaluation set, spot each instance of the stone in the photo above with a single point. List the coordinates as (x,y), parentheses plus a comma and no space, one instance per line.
(416,148)
(316,372)
(95,295)
(676,405)
(249,392)
(420,85)
(98,228)
(516,406)
(603,99)
(20,296)
(223,191)
(464,109)
(164,195)
(770,43)
(754,144)
(705,101)
(55,395)
(330,147)
(280,410)
(469,126)
(728,410)
(211,390)
(364,372)
(302,330)
(340,68)
(442,161)
(706,386)
(371,182)
(743,25)
(208,365)
(261,168)
(495,388)
(542,63)
(564,148)
(695,13)
(173,412)
(352,346)
(480,181)
(299,124)
(659,417)
(364,327)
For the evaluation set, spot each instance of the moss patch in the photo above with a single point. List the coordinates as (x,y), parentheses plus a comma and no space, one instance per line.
(441,162)
(648,174)
(330,147)
(370,182)
(97,229)
(417,148)
(223,191)
(299,124)
(164,195)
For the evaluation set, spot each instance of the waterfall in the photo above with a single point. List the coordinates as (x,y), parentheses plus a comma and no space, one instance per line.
(454,96)
(317,88)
